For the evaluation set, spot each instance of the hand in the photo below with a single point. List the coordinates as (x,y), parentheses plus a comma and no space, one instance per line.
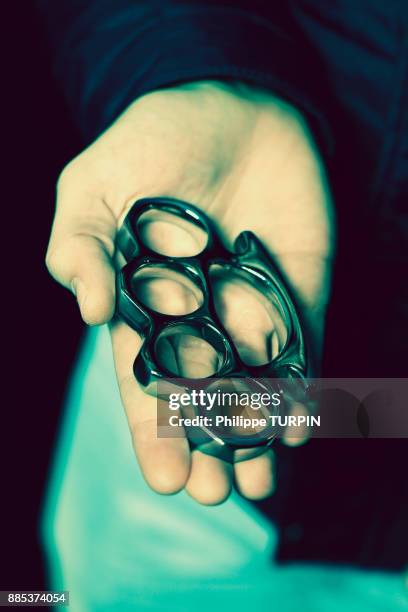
(245,158)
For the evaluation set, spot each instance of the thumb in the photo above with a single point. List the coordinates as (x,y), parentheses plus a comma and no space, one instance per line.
(80,254)
(83,265)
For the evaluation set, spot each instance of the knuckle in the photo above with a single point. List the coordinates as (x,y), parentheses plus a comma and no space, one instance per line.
(69,174)
(52,261)
(58,263)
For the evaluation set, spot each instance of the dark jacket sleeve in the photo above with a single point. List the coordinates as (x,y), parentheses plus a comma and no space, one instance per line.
(109,52)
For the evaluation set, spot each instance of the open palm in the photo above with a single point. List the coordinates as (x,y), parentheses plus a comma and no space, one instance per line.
(247,160)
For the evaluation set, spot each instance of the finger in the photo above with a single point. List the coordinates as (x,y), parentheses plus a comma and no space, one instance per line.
(210,480)
(165,462)
(296,435)
(194,356)
(254,478)
(80,252)
(82,264)
(184,353)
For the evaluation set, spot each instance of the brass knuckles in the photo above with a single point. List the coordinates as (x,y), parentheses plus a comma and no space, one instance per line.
(249,259)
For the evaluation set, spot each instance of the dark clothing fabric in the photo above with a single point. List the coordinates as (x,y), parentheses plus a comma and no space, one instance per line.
(345,64)
(109,52)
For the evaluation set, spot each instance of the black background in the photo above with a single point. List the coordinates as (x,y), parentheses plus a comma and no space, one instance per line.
(40,323)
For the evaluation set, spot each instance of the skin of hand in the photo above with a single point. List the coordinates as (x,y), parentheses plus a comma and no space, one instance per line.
(247,159)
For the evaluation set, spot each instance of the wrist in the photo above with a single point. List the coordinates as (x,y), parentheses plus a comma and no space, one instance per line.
(229,95)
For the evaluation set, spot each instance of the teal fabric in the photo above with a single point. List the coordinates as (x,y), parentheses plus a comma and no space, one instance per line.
(117,546)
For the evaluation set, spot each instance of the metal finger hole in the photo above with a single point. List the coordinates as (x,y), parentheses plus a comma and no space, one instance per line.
(251,313)
(171,234)
(166,290)
(190,351)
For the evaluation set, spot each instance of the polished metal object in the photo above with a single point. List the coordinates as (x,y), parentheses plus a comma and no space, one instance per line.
(195,261)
